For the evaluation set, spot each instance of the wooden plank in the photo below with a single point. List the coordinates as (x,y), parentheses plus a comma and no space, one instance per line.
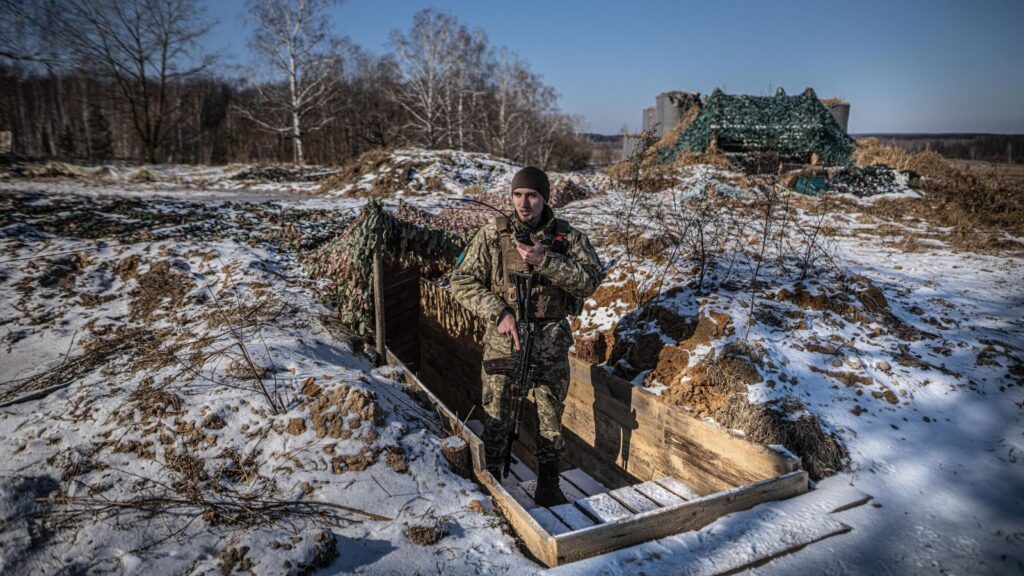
(678,487)
(584,482)
(603,508)
(642,450)
(633,500)
(571,492)
(548,521)
(736,547)
(522,497)
(572,516)
(604,469)
(537,540)
(659,494)
(645,416)
(522,471)
(682,517)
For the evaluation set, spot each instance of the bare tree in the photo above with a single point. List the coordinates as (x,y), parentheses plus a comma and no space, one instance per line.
(425,57)
(291,38)
(147,47)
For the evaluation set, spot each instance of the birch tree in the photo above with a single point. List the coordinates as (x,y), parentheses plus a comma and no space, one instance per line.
(291,38)
(146,47)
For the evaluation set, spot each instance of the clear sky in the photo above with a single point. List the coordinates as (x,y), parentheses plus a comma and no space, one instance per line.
(904,65)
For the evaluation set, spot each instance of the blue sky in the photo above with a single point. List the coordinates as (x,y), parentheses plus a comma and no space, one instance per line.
(904,65)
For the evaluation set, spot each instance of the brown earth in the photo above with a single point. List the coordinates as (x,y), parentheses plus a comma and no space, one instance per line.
(712,383)
(332,408)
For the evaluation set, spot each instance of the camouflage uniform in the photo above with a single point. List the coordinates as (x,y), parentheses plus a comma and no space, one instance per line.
(479,284)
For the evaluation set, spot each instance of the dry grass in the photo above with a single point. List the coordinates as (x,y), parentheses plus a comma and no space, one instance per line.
(929,164)
(977,203)
(822,454)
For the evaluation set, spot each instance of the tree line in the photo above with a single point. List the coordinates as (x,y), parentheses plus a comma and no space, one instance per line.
(102,80)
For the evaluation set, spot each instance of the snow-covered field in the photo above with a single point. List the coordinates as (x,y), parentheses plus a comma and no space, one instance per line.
(200,412)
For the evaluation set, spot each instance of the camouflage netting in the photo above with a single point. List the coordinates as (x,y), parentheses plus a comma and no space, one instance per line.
(347,261)
(791,127)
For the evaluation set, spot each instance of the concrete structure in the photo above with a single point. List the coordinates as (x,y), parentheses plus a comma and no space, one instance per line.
(668,109)
(840,111)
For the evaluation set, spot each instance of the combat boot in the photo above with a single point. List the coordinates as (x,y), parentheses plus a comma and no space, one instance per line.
(548,492)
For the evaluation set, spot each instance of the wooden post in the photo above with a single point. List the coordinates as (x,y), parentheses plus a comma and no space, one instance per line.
(378,290)
(456,452)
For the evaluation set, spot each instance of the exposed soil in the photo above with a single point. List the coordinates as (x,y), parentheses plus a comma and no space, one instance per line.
(711,384)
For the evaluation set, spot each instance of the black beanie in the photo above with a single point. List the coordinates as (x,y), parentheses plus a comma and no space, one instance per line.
(534,179)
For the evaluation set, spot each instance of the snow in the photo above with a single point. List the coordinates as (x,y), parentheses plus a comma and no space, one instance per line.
(943,464)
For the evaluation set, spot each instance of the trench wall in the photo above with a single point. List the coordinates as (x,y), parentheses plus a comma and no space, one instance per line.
(619,433)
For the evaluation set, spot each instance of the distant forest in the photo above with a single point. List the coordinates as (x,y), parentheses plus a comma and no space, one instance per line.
(1005,148)
(96,81)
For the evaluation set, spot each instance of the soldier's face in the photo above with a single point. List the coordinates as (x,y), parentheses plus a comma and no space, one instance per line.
(528,204)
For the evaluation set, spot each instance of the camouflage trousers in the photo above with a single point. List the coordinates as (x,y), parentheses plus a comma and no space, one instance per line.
(551,384)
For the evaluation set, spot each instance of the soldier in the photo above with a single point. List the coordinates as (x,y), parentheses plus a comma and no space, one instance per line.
(568,271)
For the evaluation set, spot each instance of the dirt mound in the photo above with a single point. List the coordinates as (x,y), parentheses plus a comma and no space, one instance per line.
(870,151)
(821,452)
(349,174)
(637,342)
(711,384)
(51,170)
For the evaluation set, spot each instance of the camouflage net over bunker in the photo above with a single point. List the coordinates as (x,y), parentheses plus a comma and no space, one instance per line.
(791,127)
(346,263)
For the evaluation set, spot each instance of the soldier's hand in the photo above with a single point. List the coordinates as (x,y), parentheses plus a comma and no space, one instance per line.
(507,326)
(531,254)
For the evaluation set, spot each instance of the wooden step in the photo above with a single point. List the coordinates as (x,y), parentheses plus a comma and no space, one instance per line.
(548,521)
(678,488)
(633,500)
(603,508)
(571,492)
(658,494)
(585,482)
(572,516)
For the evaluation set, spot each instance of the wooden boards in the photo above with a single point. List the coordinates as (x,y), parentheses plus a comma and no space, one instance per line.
(601,521)
(681,517)
(650,439)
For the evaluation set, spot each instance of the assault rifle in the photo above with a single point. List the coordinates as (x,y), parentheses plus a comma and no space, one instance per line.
(521,379)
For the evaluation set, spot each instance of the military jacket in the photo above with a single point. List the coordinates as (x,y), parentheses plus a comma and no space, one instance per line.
(479,282)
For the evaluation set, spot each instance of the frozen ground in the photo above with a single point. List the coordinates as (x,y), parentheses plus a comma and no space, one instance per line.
(157,450)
